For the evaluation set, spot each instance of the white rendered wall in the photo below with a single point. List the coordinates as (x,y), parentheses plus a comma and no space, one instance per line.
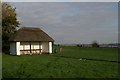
(13,48)
(18,48)
(45,47)
(50,47)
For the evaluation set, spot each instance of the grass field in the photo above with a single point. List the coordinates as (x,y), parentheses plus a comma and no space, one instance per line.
(74,62)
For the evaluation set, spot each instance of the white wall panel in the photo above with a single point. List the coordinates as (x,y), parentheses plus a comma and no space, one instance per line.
(50,47)
(18,48)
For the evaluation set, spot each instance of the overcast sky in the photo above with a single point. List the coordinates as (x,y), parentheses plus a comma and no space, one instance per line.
(72,22)
(60,0)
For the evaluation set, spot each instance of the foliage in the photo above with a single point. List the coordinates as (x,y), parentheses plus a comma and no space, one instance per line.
(79,45)
(95,44)
(69,65)
(9,24)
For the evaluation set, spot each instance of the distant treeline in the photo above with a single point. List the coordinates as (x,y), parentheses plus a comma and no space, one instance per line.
(114,45)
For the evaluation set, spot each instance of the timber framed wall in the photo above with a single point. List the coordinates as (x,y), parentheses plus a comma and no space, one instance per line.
(18,48)
(30,47)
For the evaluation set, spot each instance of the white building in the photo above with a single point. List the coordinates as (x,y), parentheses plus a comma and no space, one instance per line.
(29,40)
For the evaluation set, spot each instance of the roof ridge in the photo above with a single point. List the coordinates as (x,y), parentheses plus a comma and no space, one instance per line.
(29,28)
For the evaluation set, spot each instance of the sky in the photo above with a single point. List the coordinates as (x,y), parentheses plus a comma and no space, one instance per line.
(71,22)
(60,0)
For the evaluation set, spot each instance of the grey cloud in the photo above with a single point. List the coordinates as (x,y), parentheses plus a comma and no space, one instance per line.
(72,22)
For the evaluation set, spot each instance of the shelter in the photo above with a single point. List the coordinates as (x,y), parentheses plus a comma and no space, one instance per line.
(29,40)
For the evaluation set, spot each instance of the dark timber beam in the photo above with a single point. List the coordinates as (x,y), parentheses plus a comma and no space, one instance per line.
(30,47)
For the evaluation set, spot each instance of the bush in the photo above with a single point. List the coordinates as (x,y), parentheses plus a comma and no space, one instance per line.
(95,44)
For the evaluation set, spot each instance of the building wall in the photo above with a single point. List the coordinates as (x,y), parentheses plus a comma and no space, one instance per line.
(45,47)
(13,48)
(50,47)
(18,48)
(35,45)
(26,46)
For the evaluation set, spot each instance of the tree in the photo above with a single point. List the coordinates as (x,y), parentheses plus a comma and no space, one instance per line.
(95,44)
(79,45)
(9,24)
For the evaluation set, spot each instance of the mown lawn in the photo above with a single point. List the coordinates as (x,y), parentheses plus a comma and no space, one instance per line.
(110,54)
(68,65)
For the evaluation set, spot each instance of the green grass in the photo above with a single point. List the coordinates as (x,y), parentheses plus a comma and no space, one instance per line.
(110,54)
(54,66)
